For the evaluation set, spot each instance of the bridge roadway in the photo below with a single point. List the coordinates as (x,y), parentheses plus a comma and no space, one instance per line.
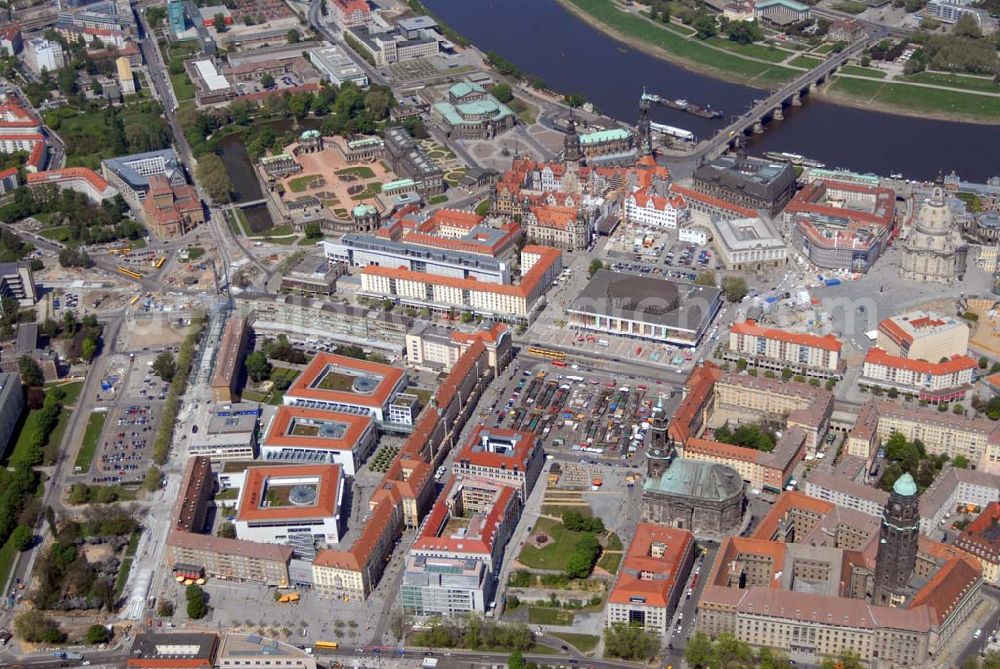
(771,106)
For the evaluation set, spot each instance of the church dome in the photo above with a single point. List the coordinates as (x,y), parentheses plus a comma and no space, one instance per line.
(905,486)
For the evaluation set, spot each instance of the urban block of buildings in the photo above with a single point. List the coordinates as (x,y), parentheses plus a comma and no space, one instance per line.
(227,378)
(754,183)
(922,335)
(841,225)
(21,131)
(821,580)
(933,382)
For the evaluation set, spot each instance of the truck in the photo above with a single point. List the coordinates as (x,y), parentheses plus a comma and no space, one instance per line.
(429,663)
(832,282)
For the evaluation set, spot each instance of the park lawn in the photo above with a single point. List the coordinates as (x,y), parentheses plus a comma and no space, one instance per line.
(183,88)
(556,510)
(955,81)
(613,542)
(919,99)
(544,615)
(438,199)
(370,191)
(850,6)
(362,171)
(759,51)
(859,71)
(59,233)
(284,373)
(195,252)
(806,62)
(7,556)
(674,44)
(305,241)
(526,113)
(825,48)
(299,184)
(585,643)
(555,553)
(91,436)
(772,76)
(29,427)
(609,562)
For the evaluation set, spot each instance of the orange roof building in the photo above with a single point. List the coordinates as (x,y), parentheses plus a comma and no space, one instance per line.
(297,505)
(771,348)
(80,179)
(922,335)
(651,578)
(807,566)
(347,385)
(171,210)
(934,382)
(316,436)
(174,650)
(506,456)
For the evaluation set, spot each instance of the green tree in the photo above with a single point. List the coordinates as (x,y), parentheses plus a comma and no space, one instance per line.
(212,176)
(630,642)
(516,661)
(595,266)
(846,660)
(258,368)
(219,22)
(734,288)
(960,462)
(786,374)
(768,658)
(226,531)
(155,16)
(165,366)
(151,482)
(706,278)
(313,231)
(292,36)
(165,608)
(699,651)
(967,26)
(574,99)
(36,627)
(21,538)
(31,372)
(88,348)
(731,652)
(503,93)
(705,25)
(197,607)
(97,634)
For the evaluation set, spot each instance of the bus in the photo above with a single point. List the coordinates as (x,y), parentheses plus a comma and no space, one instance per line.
(327,644)
(546,353)
(135,298)
(159,262)
(131,273)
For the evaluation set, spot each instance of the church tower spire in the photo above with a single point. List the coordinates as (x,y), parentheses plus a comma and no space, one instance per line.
(572,151)
(897,547)
(645,128)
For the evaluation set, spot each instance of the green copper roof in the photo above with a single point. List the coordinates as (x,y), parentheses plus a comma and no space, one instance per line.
(604,136)
(905,486)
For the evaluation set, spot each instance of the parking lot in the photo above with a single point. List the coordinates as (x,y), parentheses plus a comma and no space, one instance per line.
(585,413)
(126,444)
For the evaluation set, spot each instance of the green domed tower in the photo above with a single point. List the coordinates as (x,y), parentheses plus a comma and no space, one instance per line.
(897,548)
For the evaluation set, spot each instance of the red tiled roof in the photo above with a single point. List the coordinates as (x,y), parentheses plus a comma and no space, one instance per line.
(251,505)
(303,385)
(697,390)
(474,540)
(517,460)
(751,329)
(956,363)
(691,194)
(653,578)
(70,174)
(278,432)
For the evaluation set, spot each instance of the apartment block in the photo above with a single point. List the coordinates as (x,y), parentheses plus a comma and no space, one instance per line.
(776,349)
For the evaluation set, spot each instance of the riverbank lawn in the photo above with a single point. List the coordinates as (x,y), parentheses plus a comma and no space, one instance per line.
(805,62)
(955,81)
(859,71)
(920,99)
(771,54)
(726,64)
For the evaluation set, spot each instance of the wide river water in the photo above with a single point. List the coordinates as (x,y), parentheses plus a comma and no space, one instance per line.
(543,38)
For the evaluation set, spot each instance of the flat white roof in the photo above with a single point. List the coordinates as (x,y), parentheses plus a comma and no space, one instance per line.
(214,80)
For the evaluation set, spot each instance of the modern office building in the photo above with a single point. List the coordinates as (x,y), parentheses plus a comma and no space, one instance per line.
(347,385)
(337,66)
(227,374)
(923,335)
(18,282)
(231,434)
(130,174)
(393,46)
(651,579)
(42,55)
(296,505)
(747,244)
(11,407)
(315,436)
